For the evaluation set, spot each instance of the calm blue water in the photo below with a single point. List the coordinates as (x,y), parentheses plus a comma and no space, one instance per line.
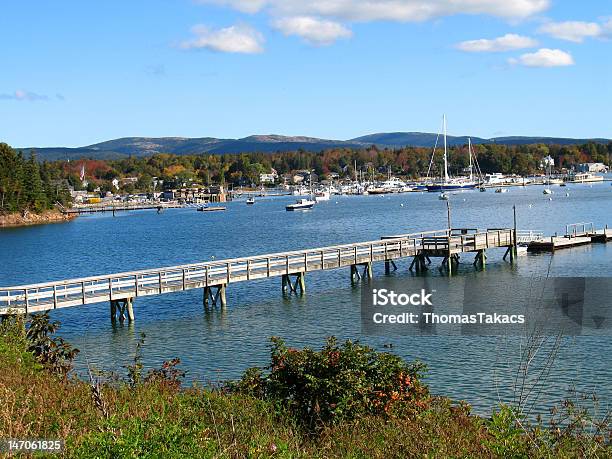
(220,344)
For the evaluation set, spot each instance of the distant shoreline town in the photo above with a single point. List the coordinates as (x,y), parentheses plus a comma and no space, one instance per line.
(199,179)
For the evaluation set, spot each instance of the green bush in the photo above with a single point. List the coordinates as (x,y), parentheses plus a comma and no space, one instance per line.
(338,383)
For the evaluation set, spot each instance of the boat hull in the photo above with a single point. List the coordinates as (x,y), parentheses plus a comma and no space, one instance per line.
(451,186)
(293,207)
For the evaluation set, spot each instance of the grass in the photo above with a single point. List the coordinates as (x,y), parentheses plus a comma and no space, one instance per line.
(155,417)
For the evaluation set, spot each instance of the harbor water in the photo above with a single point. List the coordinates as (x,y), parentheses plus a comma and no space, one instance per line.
(219,344)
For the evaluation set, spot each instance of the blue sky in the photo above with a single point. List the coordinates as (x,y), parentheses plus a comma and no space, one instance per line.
(75,73)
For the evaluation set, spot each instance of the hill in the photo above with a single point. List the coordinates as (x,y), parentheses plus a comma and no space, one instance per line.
(146,146)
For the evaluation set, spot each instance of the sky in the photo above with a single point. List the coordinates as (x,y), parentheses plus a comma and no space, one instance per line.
(75,73)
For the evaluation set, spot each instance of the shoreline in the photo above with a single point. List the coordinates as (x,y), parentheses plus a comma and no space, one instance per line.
(16,219)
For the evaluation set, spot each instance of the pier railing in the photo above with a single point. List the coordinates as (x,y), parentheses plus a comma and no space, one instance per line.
(95,289)
(527,236)
(579,229)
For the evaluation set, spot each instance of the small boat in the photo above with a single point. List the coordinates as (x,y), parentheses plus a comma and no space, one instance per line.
(547,191)
(210,209)
(501,190)
(301,204)
(443,197)
(482,189)
(563,184)
(322,196)
(250,201)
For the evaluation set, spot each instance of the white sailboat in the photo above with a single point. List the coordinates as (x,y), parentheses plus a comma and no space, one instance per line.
(448,183)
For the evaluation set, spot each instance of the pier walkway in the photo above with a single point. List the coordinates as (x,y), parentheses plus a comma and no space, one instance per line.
(90,209)
(121,288)
(213,277)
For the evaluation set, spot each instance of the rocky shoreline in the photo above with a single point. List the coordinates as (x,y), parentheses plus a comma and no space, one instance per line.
(30,218)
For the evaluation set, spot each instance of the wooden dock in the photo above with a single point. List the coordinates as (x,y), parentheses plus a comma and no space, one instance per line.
(213,277)
(118,208)
(576,234)
(550,244)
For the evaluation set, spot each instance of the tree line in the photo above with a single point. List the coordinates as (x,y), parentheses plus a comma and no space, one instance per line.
(27,185)
(407,162)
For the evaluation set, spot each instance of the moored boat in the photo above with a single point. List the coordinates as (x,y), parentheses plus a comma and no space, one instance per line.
(301,204)
(447,183)
(322,196)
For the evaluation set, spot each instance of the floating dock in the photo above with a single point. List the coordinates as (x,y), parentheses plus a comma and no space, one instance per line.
(557,242)
(576,234)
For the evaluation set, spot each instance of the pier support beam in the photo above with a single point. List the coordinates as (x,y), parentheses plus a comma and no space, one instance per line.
(481,259)
(419,263)
(292,285)
(215,294)
(388,265)
(512,251)
(367,271)
(122,309)
(450,263)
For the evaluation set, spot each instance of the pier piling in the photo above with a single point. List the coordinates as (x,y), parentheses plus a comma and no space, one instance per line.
(292,286)
(122,309)
(215,294)
(367,271)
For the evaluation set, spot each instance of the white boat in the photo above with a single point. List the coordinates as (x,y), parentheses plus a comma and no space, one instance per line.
(322,196)
(547,191)
(501,190)
(443,197)
(585,177)
(301,204)
(250,201)
(301,191)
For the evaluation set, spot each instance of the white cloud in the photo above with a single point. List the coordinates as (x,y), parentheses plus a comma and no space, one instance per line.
(508,42)
(23,95)
(313,30)
(233,39)
(390,10)
(544,57)
(575,31)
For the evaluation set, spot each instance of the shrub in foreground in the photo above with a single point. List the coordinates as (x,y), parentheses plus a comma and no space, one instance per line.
(337,383)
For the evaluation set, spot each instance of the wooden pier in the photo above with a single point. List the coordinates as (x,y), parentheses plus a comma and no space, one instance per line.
(119,208)
(213,277)
(120,289)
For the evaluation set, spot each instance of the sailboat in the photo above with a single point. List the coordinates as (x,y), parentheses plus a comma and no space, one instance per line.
(447,183)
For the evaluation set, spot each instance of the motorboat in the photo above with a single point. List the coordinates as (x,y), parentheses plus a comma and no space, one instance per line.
(210,208)
(250,201)
(443,197)
(301,204)
(547,191)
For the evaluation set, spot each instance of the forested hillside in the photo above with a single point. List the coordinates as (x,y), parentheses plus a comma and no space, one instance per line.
(27,185)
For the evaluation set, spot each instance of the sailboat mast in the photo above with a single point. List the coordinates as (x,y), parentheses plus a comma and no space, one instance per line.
(470,153)
(445,152)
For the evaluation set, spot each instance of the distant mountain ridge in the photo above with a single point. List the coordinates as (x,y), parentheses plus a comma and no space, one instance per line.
(146,146)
